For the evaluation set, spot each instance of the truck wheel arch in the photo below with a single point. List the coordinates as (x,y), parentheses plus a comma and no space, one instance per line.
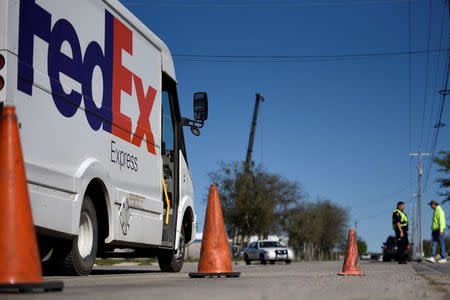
(92,178)
(188,219)
(98,192)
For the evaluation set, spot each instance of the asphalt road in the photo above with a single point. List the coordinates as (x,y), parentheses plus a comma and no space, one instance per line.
(437,274)
(441,268)
(313,280)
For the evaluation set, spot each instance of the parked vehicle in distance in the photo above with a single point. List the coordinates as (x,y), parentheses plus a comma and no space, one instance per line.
(375,256)
(267,251)
(390,250)
(365,256)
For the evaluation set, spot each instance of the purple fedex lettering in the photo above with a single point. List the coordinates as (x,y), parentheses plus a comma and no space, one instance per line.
(34,20)
(93,57)
(62,31)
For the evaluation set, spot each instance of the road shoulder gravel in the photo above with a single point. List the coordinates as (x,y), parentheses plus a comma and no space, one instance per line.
(436,278)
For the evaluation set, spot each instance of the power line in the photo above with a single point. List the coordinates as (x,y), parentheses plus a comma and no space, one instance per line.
(438,64)
(410,108)
(439,124)
(384,211)
(426,74)
(385,207)
(444,93)
(347,55)
(256,4)
(409,94)
(388,196)
(291,58)
(434,101)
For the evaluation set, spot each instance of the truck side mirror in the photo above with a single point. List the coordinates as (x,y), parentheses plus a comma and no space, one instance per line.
(200,113)
(200,106)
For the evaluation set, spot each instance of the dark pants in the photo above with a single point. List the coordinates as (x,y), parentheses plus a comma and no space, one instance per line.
(402,245)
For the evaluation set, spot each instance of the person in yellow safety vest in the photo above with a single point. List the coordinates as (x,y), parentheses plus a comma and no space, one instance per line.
(400,225)
(437,232)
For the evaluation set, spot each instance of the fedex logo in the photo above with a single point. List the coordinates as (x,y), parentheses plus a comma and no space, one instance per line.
(36,21)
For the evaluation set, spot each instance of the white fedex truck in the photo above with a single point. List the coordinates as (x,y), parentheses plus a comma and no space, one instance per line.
(101,132)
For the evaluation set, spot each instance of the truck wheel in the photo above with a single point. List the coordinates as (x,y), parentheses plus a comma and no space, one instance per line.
(172,261)
(46,248)
(288,261)
(77,256)
(262,259)
(247,260)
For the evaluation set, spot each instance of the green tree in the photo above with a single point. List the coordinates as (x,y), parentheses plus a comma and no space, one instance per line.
(253,200)
(316,229)
(362,246)
(444,163)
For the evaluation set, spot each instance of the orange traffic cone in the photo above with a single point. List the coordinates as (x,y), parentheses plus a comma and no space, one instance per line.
(215,258)
(351,261)
(20,266)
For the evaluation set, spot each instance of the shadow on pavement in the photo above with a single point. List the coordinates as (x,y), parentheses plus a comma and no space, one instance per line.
(121,271)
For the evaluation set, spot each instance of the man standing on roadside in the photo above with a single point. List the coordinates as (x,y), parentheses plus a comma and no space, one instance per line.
(437,232)
(400,225)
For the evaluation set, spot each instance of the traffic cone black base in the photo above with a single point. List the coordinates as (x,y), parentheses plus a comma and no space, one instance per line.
(46,286)
(203,275)
(353,273)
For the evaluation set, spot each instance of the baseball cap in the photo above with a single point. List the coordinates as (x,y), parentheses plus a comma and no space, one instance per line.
(433,202)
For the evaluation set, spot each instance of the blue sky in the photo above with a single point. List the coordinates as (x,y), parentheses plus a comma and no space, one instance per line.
(339,128)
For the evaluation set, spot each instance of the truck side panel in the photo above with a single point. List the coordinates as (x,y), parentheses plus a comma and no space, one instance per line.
(88,98)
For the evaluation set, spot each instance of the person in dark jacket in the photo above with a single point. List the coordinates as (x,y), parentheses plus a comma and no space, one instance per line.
(400,226)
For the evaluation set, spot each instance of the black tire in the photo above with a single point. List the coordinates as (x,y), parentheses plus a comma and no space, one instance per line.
(172,261)
(46,248)
(272,262)
(288,261)
(247,260)
(67,258)
(386,258)
(262,259)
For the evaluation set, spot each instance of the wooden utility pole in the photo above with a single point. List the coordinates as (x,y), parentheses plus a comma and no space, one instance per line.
(419,202)
(252,131)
